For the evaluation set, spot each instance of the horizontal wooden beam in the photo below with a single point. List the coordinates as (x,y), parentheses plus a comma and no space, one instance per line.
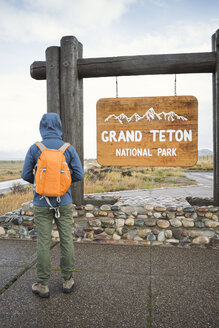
(138,65)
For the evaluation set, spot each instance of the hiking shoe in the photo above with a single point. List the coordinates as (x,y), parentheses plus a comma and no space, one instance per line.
(41,290)
(68,285)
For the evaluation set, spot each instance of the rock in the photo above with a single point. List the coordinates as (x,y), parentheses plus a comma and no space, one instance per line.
(89,215)
(11,233)
(146,242)
(143,232)
(90,235)
(202,209)
(185,240)
(194,233)
(116,236)
(160,208)
(131,234)
(55,234)
(94,223)
(125,229)
(214,217)
(105,207)
(137,238)
(28,206)
(208,215)
(80,233)
(189,209)
(184,233)
(139,223)
(177,233)
(142,217)
(2,231)
(175,223)
(107,222)
(155,231)
(161,236)
(75,214)
(199,224)
(201,240)
(149,207)
(156,243)
(171,216)
(80,224)
(103,213)
(208,233)
(101,237)
(98,231)
(163,224)
(173,241)
(132,209)
(119,230)
(110,215)
(211,223)
(157,215)
(32,233)
(130,222)
(115,208)
(168,234)
(22,232)
(215,242)
(17,220)
(122,216)
(151,237)
(110,231)
(171,209)
(120,222)
(89,207)
(213,209)
(4,218)
(188,223)
(150,222)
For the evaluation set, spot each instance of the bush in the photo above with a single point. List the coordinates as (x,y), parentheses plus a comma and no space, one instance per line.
(17,188)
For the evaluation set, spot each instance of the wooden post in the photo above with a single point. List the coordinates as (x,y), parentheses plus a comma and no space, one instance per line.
(53,80)
(72,104)
(215,48)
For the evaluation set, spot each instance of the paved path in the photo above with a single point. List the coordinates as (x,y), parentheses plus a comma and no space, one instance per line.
(116,286)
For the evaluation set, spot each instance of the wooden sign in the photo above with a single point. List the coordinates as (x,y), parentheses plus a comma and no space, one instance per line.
(147,131)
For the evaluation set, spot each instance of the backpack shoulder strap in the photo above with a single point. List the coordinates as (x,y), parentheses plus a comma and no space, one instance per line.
(40,145)
(64,146)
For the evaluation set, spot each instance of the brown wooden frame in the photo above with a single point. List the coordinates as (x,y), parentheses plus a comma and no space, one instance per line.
(64,70)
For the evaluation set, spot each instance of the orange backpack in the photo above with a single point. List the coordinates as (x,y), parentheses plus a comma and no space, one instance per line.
(52,177)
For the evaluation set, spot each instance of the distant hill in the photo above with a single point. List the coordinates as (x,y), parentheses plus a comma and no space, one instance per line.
(205,152)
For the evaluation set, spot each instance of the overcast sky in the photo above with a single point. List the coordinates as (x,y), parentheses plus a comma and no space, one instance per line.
(105,28)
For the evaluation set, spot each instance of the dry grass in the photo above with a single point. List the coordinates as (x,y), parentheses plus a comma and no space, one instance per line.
(204,163)
(103,179)
(10,170)
(12,201)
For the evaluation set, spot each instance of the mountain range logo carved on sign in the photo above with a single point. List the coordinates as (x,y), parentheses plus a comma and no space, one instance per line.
(150,115)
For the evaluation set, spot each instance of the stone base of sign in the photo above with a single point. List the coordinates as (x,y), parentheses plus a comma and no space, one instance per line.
(155,225)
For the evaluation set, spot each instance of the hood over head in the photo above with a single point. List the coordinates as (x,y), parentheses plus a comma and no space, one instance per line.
(51,126)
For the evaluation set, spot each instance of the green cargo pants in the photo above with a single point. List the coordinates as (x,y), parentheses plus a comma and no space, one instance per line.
(43,219)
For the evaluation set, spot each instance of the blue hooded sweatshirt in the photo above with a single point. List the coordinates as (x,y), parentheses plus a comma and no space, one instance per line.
(51,133)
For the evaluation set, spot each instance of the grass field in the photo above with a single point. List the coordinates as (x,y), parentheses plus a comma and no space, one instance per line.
(10,170)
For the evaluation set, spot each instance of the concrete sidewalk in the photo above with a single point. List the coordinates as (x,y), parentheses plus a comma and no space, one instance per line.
(116,286)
